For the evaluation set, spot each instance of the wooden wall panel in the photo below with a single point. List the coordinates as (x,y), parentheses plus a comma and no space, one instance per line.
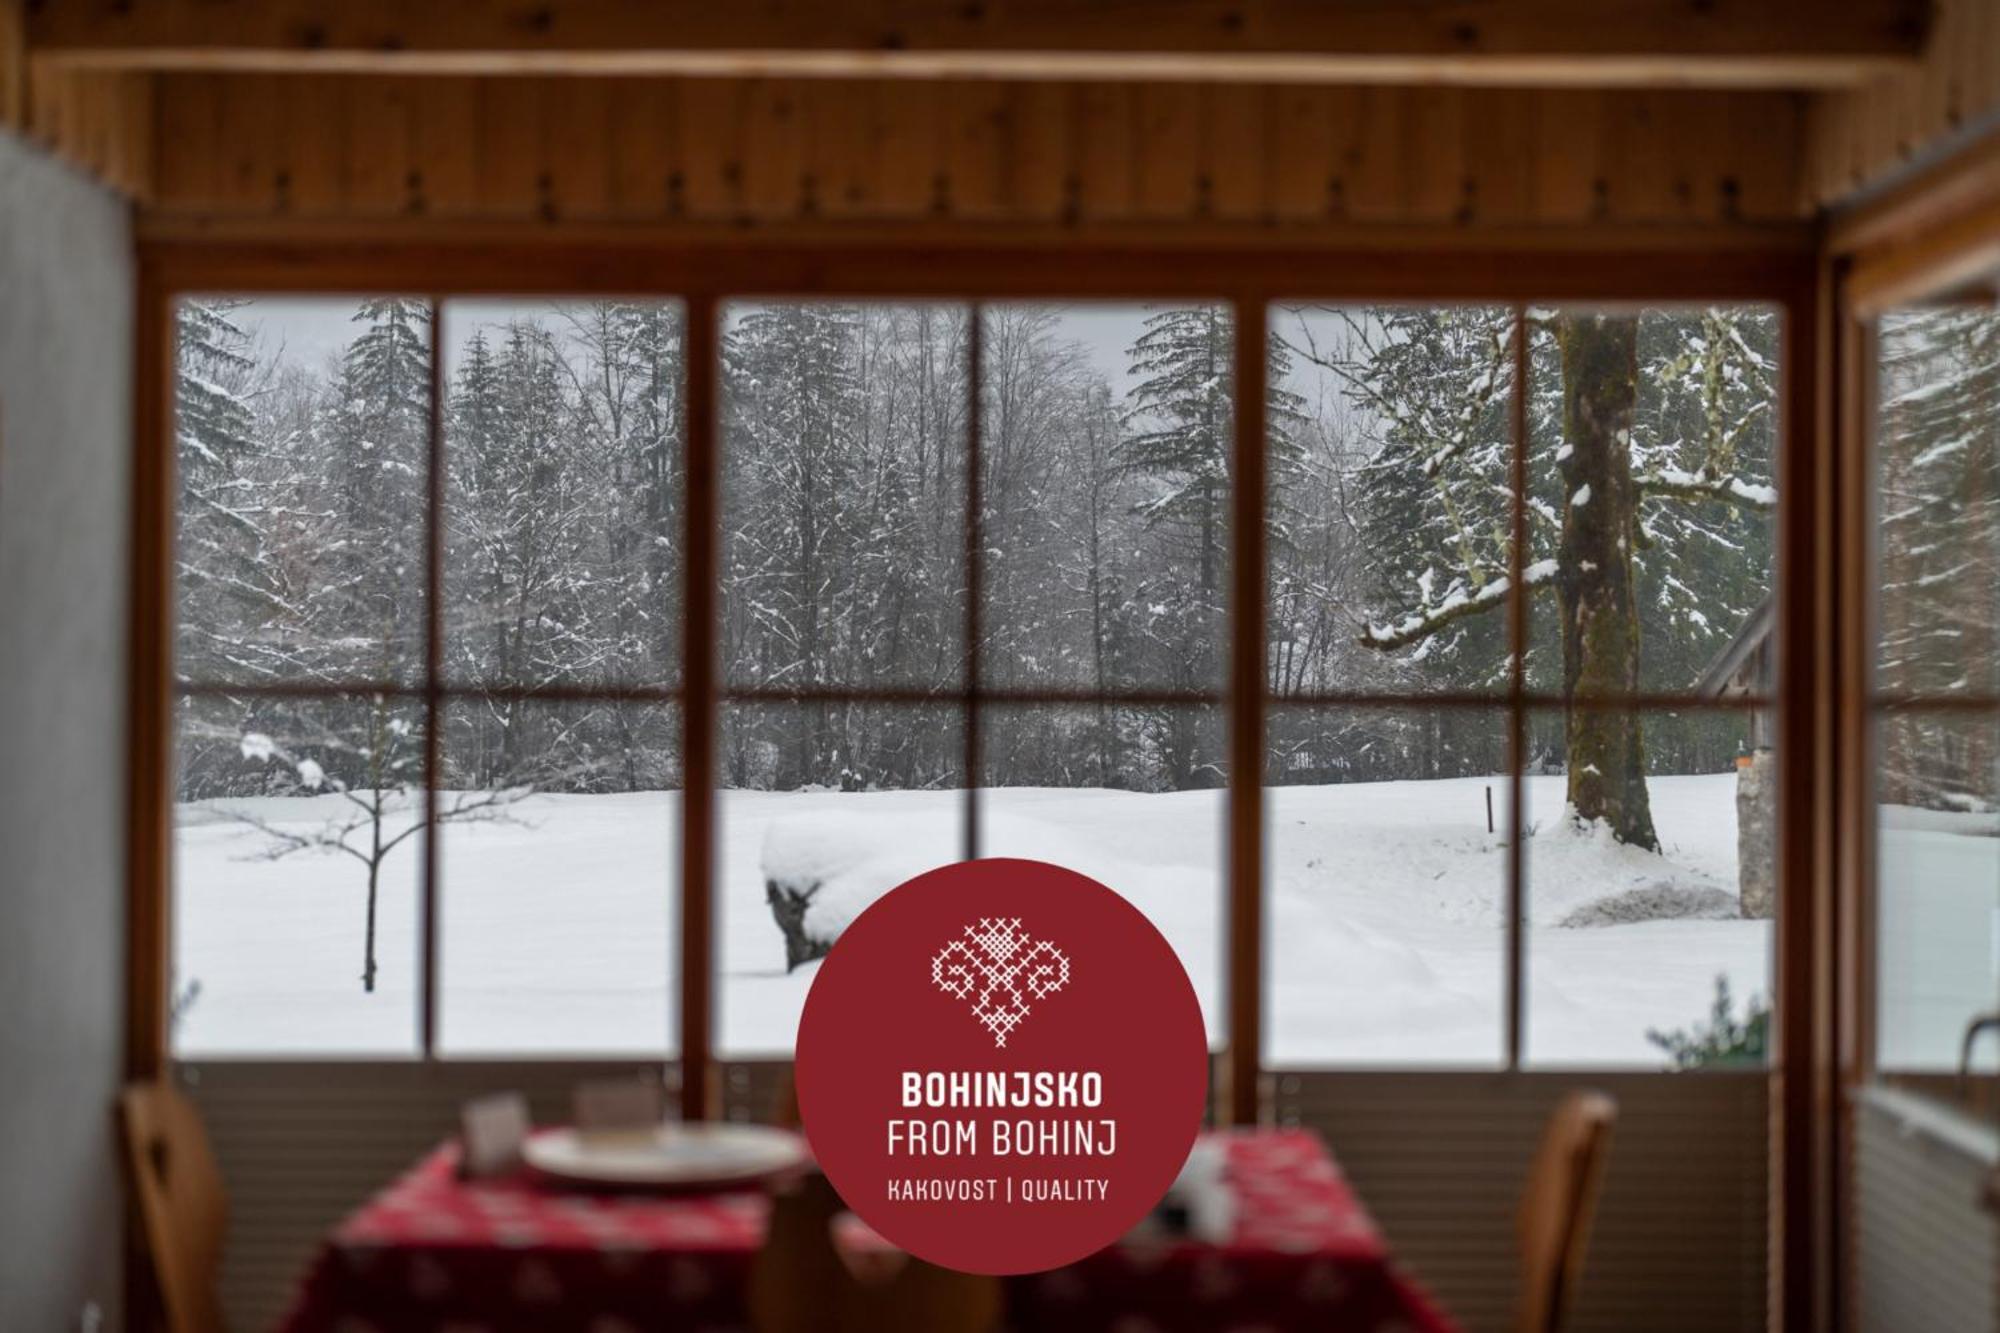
(771,152)
(1867,136)
(302,1144)
(1440,1158)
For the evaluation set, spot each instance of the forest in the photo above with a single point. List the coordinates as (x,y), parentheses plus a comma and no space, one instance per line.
(1102,536)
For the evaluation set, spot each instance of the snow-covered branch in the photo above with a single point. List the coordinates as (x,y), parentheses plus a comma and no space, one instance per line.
(1676,484)
(1456,605)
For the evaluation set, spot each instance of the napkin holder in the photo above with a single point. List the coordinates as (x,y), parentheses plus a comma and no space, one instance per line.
(492,1131)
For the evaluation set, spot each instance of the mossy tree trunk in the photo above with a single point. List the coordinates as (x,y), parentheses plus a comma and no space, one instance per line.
(1594,582)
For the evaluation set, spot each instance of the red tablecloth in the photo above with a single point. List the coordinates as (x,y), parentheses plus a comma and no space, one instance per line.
(435,1254)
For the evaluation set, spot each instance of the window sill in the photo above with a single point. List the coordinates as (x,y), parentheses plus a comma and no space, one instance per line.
(1948,1126)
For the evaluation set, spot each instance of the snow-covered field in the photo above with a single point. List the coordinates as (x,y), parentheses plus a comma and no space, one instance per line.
(1386,910)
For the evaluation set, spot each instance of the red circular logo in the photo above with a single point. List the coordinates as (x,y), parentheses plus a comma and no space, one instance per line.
(1001,1066)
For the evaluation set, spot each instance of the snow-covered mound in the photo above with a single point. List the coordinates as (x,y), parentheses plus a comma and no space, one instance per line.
(1582,876)
(824,868)
(821,870)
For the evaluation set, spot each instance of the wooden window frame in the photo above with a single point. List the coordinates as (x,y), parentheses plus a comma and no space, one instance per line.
(1778,269)
(1931,259)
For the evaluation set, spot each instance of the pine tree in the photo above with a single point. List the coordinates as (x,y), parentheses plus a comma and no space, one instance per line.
(376,443)
(213,417)
(1938,535)
(795,411)
(1178,445)
(1435,510)
(221,530)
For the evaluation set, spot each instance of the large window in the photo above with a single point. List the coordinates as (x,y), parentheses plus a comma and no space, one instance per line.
(1520,592)
(1936,705)
(975,570)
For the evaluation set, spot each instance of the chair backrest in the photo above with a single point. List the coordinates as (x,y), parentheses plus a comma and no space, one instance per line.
(181,1203)
(799,1282)
(1553,1227)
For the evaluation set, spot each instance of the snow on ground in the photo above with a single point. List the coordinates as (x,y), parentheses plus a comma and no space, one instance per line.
(1386,911)
(1938,926)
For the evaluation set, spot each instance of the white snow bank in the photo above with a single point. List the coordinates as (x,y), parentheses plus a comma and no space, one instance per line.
(1385,916)
(844,862)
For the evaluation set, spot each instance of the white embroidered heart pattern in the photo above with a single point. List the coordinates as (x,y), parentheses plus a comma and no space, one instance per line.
(999,969)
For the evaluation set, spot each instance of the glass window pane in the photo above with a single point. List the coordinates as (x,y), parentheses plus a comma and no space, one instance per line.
(1651,887)
(1104,477)
(1386,848)
(824,808)
(1937,915)
(1132,797)
(297,853)
(1652,499)
(302,433)
(844,495)
(1391,524)
(560,833)
(1937,454)
(564,435)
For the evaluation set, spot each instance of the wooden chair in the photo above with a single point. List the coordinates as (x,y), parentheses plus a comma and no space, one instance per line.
(181,1204)
(1553,1227)
(799,1282)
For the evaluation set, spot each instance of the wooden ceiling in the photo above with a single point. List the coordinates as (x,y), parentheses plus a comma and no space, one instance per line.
(1765,43)
(1210,114)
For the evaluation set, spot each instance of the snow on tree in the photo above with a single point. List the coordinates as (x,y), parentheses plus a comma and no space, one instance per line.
(1938,535)
(1610,543)
(221,528)
(795,413)
(1178,442)
(213,415)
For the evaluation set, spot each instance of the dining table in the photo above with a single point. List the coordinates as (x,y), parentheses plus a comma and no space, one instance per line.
(435,1252)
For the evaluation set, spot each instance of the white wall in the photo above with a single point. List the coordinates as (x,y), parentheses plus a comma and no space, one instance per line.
(65,447)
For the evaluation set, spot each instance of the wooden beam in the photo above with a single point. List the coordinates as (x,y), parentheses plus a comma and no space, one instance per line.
(1771,43)
(13,66)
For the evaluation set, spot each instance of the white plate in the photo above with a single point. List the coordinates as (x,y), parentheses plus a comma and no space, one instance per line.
(681,1156)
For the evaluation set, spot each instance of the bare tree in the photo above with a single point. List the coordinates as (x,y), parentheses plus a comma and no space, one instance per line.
(379,809)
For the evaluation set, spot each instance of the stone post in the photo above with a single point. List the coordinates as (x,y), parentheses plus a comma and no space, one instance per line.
(1757,832)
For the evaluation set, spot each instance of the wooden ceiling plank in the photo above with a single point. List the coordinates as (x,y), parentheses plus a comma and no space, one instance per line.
(1040,166)
(905,144)
(1302,154)
(839,177)
(190,128)
(1376,184)
(978,120)
(1771,43)
(1105,134)
(709,119)
(774,151)
(1499,145)
(1170,179)
(1237,149)
(134,141)
(577,145)
(378,147)
(512,172)
(247,174)
(312,169)
(443,127)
